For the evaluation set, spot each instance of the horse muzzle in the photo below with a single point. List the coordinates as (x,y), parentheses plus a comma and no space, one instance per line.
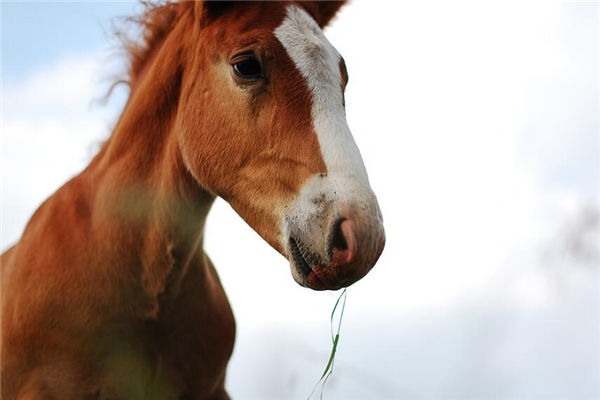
(335,245)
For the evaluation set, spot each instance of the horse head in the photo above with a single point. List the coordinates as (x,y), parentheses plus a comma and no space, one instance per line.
(261,122)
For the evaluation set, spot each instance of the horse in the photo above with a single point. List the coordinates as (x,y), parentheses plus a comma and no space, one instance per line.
(109,294)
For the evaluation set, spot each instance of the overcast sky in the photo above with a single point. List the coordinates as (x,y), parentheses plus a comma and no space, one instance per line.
(478,123)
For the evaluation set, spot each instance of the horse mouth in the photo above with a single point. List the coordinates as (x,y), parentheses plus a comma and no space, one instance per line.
(306,264)
(299,260)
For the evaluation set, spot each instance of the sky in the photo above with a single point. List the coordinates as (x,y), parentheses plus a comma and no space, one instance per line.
(478,124)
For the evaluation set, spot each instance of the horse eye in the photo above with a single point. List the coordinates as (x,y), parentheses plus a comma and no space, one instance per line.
(248,69)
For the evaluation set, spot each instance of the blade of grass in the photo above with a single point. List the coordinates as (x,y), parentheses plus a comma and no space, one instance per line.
(335,340)
(329,366)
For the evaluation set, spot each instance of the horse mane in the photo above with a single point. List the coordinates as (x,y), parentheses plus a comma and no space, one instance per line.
(153,25)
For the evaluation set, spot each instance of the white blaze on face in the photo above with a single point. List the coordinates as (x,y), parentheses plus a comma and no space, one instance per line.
(319,63)
(346,179)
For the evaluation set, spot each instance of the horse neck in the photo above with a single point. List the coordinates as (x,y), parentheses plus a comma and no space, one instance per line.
(144,189)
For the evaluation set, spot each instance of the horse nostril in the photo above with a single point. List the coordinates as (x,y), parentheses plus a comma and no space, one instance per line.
(338,241)
(343,242)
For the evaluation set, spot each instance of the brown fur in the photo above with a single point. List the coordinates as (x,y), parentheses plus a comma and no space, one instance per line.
(109,294)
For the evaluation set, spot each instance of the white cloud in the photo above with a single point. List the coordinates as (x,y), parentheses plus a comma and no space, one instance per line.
(50,131)
(65,85)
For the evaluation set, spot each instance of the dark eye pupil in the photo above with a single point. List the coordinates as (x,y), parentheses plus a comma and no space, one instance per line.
(248,69)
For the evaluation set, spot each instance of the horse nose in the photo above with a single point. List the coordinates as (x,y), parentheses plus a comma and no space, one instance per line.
(356,242)
(341,255)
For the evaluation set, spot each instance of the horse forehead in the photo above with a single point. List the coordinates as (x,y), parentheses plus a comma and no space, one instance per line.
(308,47)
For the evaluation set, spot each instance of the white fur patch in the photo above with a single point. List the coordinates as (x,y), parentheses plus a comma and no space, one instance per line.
(346,179)
(318,61)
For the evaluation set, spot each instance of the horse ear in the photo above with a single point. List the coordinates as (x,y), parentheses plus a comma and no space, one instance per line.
(323,11)
(206,10)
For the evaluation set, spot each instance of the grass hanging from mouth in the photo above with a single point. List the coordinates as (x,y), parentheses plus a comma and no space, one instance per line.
(335,339)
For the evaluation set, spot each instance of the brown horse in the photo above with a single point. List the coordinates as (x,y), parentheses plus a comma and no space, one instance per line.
(109,294)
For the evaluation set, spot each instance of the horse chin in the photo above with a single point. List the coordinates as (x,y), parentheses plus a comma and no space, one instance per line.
(318,277)
(317,282)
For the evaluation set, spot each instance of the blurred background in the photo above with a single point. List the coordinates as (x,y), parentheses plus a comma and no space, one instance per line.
(478,123)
